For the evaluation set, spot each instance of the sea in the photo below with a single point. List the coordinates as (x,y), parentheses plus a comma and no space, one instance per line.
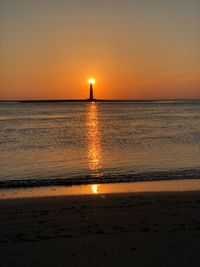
(74,143)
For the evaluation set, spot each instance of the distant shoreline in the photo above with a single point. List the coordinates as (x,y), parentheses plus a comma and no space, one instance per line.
(96,100)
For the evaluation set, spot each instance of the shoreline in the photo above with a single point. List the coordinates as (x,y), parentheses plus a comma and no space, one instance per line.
(102,189)
(147,176)
(122,229)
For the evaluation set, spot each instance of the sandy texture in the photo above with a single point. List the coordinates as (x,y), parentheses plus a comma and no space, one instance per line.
(151,229)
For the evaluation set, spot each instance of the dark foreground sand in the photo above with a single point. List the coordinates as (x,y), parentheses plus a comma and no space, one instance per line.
(137,229)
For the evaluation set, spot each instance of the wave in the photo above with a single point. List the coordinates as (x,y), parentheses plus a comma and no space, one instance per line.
(182,174)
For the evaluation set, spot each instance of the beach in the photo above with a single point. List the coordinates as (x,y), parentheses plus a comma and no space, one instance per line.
(127,229)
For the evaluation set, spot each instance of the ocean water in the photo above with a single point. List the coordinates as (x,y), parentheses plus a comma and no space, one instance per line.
(79,143)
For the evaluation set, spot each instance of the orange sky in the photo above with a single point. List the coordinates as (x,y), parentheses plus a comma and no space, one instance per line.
(49,49)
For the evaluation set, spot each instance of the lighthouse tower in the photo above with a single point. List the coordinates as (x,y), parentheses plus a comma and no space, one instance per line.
(91,92)
(91,83)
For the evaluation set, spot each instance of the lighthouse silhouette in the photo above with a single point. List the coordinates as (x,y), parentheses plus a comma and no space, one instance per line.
(91,92)
(91,82)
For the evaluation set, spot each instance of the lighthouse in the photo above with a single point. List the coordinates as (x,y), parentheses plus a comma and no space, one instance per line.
(91,92)
(91,83)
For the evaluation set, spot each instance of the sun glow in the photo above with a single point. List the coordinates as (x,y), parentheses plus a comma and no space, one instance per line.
(91,81)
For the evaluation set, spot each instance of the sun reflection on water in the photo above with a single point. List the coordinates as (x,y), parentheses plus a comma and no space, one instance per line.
(93,135)
(94,188)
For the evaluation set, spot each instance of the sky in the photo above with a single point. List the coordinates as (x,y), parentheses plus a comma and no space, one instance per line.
(136,49)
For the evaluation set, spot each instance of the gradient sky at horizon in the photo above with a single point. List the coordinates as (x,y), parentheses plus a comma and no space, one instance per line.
(134,48)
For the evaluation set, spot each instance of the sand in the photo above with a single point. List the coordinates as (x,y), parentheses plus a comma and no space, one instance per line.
(135,229)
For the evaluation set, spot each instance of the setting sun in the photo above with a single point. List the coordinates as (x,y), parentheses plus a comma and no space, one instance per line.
(91,81)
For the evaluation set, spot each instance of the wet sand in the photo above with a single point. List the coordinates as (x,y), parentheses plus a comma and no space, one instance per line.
(134,229)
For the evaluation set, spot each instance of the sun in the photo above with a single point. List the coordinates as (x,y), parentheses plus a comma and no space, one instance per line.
(91,81)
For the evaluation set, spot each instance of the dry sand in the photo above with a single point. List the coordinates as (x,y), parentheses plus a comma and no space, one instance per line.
(136,229)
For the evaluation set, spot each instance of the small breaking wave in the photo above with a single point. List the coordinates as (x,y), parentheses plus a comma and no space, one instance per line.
(148,176)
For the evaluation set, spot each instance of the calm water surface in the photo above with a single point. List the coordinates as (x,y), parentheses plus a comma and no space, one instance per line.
(67,143)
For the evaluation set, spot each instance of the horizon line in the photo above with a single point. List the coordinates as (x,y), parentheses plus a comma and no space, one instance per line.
(97,100)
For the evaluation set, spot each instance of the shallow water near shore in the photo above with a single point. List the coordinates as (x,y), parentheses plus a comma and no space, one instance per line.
(102,189)
(80,143)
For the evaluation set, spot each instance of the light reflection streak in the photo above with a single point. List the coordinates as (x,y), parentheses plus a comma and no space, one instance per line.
(94,152)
